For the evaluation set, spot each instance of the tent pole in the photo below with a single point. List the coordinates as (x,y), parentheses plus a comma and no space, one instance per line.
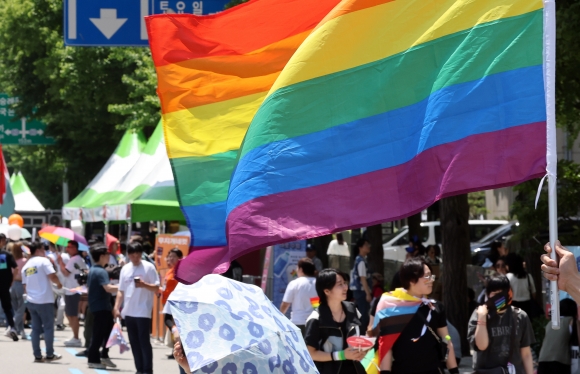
(128,232)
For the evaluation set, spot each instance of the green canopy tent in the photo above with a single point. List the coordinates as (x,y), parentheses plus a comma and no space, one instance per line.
(147,192)
(88,205)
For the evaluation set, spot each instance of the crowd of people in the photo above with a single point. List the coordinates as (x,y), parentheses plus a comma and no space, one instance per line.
(500,332)
(122,287)
(38,281)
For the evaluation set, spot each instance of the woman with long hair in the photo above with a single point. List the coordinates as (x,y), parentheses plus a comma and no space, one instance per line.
(17,290)
(521,282)
(331,324)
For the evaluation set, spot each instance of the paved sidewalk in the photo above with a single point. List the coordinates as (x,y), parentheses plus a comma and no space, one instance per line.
(17,357)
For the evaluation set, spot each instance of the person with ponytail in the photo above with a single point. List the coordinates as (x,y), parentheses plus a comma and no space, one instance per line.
(500,334)
(331,324)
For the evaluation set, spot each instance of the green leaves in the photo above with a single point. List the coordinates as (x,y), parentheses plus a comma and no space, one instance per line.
(534,222)
(86,96)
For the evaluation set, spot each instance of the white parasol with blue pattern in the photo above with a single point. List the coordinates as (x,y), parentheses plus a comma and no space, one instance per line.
(228,327)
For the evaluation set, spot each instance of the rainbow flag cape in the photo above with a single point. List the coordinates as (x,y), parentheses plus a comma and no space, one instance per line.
(213,74)
(387,107)
(394,311)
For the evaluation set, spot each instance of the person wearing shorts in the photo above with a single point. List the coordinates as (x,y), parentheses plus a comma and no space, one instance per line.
(76,265)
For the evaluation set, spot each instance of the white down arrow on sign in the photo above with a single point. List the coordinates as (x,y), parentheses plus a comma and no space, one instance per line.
(108,24)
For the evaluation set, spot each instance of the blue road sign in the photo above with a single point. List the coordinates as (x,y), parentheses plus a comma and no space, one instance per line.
(121,22)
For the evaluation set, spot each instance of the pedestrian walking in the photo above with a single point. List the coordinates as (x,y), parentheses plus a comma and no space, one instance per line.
(38,274)
(138,283)
(311,254)
(557,344)
(300,294)
(413,329)
(500,334)
(521,283)
(337,250)
(433,255)
(17,290)
(328,327)
(99,292)
(75,266)
(7,267)
(360,282)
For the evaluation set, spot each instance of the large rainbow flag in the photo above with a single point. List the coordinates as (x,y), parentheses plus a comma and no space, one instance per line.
(213,74)
(388,106)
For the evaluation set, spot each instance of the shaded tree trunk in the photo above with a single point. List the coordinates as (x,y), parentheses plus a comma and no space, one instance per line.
(414,223)
(321,245)
(455,240)
(375,258)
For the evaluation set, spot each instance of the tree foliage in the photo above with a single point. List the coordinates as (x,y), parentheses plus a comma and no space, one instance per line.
(476,204)
(568,65)
(86,96)
(533,228)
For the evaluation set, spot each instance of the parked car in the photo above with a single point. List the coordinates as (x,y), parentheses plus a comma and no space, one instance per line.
(394,248)
(480,249)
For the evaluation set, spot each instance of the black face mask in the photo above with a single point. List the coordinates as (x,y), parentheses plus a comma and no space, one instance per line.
(497,303)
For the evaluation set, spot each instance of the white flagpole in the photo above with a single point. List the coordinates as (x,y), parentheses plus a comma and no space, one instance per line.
(551,150)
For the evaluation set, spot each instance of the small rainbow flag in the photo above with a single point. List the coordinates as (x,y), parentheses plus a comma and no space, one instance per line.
(315,302)
(394,311)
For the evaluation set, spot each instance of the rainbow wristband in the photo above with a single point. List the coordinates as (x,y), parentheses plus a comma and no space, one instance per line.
(338,356)
(174,329)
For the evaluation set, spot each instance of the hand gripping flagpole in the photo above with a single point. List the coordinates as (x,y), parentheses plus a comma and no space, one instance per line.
(551,150)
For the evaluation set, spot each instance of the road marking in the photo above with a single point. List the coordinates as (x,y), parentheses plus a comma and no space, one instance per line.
(75,371)
(99,371)
(74,352)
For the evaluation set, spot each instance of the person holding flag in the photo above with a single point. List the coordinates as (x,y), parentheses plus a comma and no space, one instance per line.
(410,326)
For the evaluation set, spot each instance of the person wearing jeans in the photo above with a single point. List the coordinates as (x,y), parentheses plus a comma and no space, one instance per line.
(138,284)
(359,282)
(17,290)
(37,276)
(99,290)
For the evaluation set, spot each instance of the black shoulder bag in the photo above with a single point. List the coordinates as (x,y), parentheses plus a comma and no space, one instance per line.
(442,347)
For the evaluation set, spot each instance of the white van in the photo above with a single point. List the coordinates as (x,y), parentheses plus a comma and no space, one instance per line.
(394,248)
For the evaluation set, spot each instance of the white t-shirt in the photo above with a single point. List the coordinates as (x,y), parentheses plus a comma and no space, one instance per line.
(74,266)
(138,302)
(35,276)
(298,293)
(520,287)
(338,249)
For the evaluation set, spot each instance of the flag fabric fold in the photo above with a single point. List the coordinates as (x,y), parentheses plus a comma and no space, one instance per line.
(213,74)
(387,107)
